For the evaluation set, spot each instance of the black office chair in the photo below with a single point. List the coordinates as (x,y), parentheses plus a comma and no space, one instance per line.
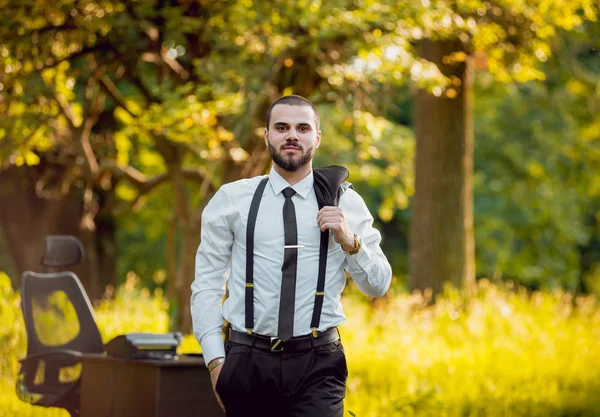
(60,328)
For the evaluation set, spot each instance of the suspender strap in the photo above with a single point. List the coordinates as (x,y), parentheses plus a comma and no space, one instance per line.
(249,300)
(323,248)
(320,295)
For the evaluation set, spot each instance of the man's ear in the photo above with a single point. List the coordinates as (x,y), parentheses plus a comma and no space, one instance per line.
(267,137)
(318,139)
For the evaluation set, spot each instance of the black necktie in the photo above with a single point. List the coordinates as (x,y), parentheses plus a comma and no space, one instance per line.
(290,262)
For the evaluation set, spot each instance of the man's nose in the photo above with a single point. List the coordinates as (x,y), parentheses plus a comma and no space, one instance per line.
(292,134)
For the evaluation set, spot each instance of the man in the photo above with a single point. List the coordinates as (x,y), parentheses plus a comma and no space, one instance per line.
(282,244)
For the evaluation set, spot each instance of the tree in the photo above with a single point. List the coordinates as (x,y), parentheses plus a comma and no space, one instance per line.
(142,95)
(510,39)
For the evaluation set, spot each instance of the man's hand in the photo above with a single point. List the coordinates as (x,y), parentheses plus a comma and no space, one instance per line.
(332,218)
(214,377)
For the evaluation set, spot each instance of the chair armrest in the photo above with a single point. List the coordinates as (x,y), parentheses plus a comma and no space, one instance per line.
(27,390)
(57,352)
(39,393)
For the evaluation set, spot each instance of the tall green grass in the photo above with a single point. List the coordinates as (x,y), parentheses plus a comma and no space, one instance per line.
(502,352)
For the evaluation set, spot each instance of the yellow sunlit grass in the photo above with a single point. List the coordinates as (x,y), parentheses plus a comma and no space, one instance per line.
(505,352)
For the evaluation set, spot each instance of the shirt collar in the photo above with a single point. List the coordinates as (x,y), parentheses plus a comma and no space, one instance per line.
(278,183)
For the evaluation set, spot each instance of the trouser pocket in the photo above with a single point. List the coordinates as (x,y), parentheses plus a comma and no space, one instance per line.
(337,358)
(234,380)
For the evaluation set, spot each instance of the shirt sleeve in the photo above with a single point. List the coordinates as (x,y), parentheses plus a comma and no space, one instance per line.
(369,267)
(212,267)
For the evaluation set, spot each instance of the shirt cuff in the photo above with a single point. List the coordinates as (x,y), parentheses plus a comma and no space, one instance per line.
(212,347)
(359,259)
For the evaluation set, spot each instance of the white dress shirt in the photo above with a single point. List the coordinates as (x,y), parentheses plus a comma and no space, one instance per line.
(221,257)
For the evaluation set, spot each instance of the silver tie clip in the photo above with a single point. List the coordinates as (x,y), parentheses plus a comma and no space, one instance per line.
(292,246)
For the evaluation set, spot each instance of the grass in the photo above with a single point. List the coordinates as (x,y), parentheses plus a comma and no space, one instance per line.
(503,352)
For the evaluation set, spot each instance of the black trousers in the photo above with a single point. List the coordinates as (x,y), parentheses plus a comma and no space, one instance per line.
(258,382)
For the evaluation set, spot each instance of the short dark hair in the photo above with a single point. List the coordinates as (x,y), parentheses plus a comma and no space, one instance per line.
(294,100)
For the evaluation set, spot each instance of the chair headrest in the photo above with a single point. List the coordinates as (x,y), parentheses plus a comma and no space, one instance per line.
(62,250)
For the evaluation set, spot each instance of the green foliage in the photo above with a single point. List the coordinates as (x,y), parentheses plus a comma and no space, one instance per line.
(504,352)
(141,237)
(531,209)
(536,169)
(378,153)
(198,74)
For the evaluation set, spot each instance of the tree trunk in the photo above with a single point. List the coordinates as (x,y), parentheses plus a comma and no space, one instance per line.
(185,276)
(441,235)
(190,237)
(171,255)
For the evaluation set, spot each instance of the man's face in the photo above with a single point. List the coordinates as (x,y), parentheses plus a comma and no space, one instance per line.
(292,136)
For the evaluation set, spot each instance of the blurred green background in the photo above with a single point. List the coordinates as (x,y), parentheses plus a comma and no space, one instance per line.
(471,129)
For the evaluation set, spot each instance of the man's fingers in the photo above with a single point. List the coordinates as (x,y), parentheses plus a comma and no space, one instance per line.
(214,376)
(334,219)
(328,216)
(330,223)
(335,226)
(220,402)
(329,210)
(218,397)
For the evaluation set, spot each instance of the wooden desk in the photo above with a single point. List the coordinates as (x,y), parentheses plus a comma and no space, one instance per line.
(115,387)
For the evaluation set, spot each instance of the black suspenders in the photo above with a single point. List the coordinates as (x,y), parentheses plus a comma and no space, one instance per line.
(250,253)
(249,300)
(320,294)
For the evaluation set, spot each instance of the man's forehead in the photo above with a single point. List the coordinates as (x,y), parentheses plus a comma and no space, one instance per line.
(290,114)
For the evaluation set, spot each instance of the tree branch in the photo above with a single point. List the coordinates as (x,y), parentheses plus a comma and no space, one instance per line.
(114,92)
(68,25)
(132,75)
(86,146)
(92,108)
(163,58)
(135,177)
(66,109)
(74,55)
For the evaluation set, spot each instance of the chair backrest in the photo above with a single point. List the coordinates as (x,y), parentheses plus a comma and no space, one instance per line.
(60,325)
(56,309)
(58,314)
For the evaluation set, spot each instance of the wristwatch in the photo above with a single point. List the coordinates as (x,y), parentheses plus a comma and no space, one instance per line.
(214,363)
(357,243)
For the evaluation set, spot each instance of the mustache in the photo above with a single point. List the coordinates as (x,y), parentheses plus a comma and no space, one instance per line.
(291,145)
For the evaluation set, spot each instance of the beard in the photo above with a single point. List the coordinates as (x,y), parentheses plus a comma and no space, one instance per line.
(289,163)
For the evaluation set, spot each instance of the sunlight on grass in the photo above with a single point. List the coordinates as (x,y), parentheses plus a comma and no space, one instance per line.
(504,352)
